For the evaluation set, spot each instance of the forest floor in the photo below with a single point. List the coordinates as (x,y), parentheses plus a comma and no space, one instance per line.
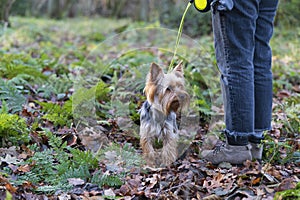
(70,92)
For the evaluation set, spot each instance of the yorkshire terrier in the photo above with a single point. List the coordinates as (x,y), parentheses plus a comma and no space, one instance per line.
(166,97)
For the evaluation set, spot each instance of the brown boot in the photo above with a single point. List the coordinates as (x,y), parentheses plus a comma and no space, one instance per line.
(228,153)
(256,150)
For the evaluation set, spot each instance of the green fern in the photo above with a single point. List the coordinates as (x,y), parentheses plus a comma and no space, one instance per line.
(43,168)
(126,155)
(55,85)
(81,158)
(4,108)
(14,65)
(57,164)
(111,180)
(81,172)
(107,179)
(58,115)
(50,189)
(12,95)
(13,128)
(85,99)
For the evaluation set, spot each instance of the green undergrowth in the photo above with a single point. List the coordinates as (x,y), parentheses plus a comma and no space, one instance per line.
(54,167)
(288,194)
(51,81)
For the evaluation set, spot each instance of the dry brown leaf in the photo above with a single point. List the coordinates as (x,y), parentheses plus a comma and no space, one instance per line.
(296,88)
(10,188)
(212,197)
(24,168)
(125,190)
(269,190)
(153,180)
(283,94)
(255,181)
(286,184)
(28,185)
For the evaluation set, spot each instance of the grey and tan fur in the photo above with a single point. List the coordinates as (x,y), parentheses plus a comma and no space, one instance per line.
(166,95)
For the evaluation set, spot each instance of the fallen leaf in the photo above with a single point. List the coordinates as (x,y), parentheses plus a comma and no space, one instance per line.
(260,192)
(76,181)
(283,94)
(124,190)
(11,150)
(269,190)
(23,156)
(10,188)
(9,159)
(270,178)
(64,197)
(24,168)
(296,88)
(255,181)
(242,194)
(212,197)
(153,180)
(28,185)
(109,193)
(14,168)
(286,184)
(3,180)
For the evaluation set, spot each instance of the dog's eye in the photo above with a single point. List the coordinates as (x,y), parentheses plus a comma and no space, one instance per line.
(180,86)
(169,89)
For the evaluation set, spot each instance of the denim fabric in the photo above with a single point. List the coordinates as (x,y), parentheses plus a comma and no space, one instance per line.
(244,58)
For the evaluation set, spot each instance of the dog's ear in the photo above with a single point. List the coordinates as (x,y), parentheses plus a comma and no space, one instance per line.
(178,70)
(156,72)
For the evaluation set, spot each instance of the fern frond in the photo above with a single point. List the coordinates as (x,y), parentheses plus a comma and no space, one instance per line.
(58,115)
(80,172)
(12,95)
(19,70)
(83,158)
(13,128)
(13,65)
(4,108)
(56,85)
(107,179)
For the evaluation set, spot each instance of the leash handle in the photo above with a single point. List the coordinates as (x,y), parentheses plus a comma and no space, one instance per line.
(202,5)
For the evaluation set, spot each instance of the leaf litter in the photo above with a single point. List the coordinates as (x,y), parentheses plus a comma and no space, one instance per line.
(189,177)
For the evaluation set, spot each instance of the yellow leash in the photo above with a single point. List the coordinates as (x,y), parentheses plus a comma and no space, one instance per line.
(179,36)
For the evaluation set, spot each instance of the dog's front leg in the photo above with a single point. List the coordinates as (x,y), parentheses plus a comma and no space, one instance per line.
(169,150)
(146,142)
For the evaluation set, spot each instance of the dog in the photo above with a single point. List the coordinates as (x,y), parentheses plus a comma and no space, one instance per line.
(166,97)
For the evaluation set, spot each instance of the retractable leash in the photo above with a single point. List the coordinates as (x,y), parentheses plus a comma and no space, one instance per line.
(200,5)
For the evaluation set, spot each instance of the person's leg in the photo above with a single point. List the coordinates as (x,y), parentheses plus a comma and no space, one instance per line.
(262,65)
(234,33)
(235,43)
(262,73)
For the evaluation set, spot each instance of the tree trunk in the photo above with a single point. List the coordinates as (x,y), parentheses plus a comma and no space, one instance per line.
(5,6)
(144,10)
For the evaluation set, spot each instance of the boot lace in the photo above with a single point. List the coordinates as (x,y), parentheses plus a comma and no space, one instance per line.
(218,147)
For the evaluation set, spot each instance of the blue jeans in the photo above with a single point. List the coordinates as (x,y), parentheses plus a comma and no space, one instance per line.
(244,58)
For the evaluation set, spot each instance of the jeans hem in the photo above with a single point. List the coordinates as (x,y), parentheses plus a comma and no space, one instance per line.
(236,138)
(262,129)
(236,133)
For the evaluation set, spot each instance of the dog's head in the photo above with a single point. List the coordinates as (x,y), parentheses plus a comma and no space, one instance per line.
(166,91)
